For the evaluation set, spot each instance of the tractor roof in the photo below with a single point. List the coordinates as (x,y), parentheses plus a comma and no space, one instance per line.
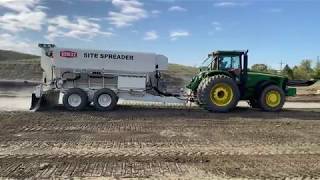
(234,52)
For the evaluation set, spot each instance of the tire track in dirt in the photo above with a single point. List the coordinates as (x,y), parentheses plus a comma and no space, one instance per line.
(89,168)
(163,131)
(292,166)
(103,149)
(140,143)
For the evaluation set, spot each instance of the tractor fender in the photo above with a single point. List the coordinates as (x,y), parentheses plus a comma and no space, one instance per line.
(195,82)
(210,74)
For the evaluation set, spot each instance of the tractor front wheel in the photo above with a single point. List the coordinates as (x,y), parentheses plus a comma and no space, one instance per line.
(220,93)
(272,98)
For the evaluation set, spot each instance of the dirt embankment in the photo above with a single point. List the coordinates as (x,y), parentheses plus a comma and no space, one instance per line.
(136,142)
(20,71)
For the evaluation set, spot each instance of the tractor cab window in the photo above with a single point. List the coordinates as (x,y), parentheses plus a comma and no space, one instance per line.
(229,62)
(206,64)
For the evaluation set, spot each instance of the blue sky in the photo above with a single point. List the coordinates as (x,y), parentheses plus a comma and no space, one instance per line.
(185,31)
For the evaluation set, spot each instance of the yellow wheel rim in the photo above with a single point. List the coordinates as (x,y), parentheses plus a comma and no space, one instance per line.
(273,98)
(221,94)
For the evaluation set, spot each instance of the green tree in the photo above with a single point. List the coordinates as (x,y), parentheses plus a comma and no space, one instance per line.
(316,74)
(304,70)
(271,70)
(259,67)
(263,68)
(287,71)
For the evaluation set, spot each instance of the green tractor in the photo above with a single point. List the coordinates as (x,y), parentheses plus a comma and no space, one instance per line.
(224,79)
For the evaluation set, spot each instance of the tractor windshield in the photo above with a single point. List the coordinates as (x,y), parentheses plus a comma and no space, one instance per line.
(229,62)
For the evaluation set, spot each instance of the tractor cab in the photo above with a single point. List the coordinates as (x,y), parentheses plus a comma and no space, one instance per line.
(233,62)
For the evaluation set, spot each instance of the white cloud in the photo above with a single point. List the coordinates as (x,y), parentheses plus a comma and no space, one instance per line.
(229,4)
(218,28)
(135,31)
(151,35)
(95,19)
(80,28)
(10,42)
(275,10)
(155,12)
(130,12)
(177,8)
(174,35)
(216,25)
(19,5)
(15,22)
(24,15)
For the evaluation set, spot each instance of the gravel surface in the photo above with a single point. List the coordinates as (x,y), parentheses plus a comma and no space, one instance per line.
(141,142)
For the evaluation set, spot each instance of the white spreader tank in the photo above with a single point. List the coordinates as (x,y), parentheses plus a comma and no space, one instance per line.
(98,77)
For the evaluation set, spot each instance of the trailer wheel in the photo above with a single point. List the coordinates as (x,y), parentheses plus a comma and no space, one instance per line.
(105,100)
(75,99)
(220,94)
(272,98)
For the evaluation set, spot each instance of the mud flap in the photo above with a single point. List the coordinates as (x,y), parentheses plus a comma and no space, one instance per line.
(47,101)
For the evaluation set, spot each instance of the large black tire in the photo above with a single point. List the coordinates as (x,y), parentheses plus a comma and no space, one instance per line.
(272,98)
(220,93)
(200,91)
(79,102)
(106,103)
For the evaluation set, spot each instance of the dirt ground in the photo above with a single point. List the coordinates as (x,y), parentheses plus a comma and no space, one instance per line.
(305,98)
(140,142)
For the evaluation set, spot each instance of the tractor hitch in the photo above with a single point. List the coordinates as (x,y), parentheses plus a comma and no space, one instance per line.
(298,83)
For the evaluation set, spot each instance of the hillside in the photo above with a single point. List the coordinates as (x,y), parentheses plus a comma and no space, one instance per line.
(178,76)
(15,56)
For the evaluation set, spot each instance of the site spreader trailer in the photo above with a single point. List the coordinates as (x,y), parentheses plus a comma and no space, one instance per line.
(101,77)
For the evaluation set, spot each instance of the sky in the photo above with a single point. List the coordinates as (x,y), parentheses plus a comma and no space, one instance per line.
(183,30)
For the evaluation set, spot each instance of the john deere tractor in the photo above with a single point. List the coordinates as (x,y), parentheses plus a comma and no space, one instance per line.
(224,79)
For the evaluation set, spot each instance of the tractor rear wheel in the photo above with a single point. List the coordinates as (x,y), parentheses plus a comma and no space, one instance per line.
(272,98)
(220,94)
(200,89)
